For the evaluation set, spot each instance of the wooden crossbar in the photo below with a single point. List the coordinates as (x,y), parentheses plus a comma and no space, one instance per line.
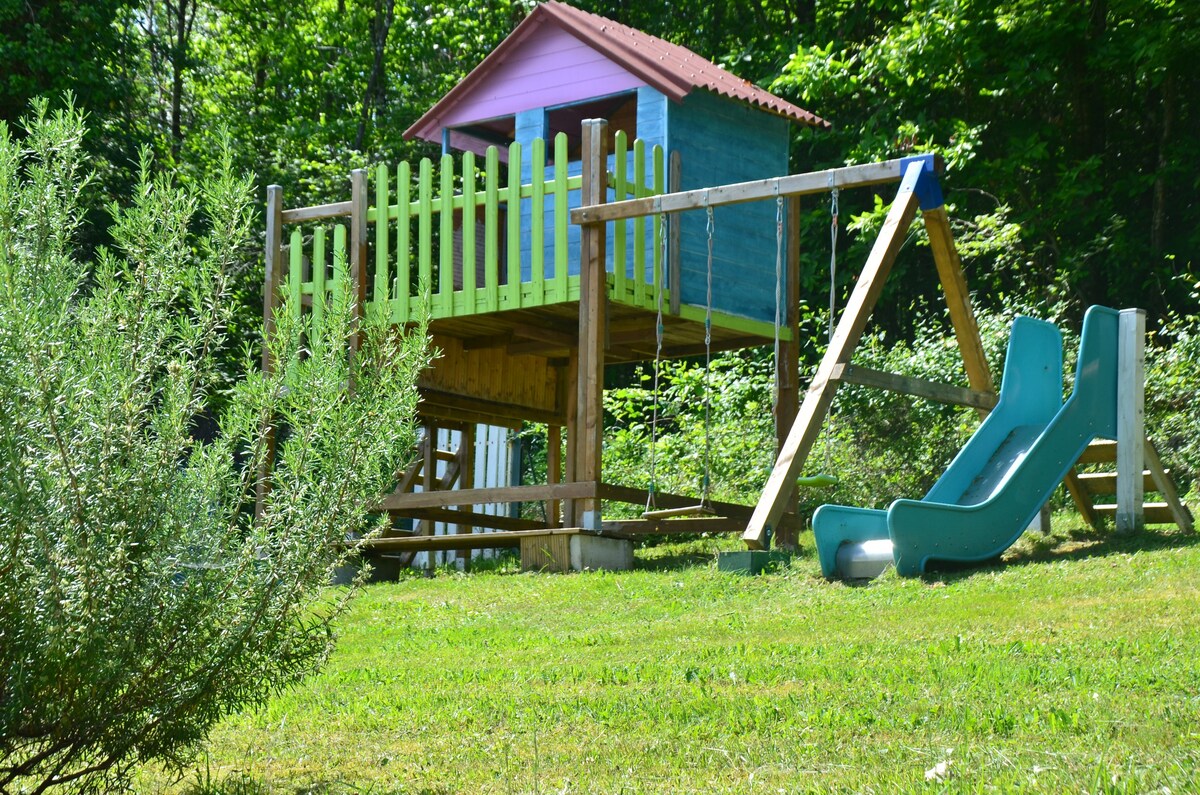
(917,387)
(445,543)
(501,494)
(741,192)
(317,213)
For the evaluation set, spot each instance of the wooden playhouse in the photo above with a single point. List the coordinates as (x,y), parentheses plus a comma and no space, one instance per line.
(483,239)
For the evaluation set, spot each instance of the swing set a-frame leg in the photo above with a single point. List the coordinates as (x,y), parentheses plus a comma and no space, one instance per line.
(846,336)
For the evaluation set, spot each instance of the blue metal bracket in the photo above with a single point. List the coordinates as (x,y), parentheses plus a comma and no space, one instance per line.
(928,190)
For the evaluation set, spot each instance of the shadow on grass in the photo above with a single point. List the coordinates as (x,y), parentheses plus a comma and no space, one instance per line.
(1078,544)
(242,783)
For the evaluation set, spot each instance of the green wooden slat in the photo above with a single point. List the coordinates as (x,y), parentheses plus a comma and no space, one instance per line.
(561,209)
(403,287)
(660,177)
(318,282)
(513,211)
(295,269)
(445,293)
(468,229)
(639,224)
(425,231)
(621,228)
(381,237)
(341,271)
(491,232)
(537,213)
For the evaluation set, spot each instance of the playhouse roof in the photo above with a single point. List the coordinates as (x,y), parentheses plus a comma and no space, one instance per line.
(671,69)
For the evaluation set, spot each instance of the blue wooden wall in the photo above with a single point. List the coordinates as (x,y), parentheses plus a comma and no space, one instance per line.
(720,141)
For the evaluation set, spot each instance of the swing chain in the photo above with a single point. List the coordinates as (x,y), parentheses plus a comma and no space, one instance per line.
(708,358)
(778,289)
(833,241)
(651,502)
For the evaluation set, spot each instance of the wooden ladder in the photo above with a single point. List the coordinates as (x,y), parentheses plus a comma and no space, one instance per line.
(1085,487)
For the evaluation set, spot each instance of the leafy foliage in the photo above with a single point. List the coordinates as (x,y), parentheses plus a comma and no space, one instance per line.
(140,599)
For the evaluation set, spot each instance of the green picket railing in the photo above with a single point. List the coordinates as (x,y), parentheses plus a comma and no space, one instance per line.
(470,242)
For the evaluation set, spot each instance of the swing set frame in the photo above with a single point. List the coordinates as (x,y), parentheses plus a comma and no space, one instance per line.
(799,423)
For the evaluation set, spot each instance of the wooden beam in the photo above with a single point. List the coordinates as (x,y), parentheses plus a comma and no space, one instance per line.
(318,213)
(593,316)
(728,344)
(428,472)
(709,524)
(787,367)
(474,541)
(1131,419)
(634,496)
(804,431)
(484,408)
(409,479)
(554,472)
(557,336)
(272,284)
(1166,487)
(486,341)
(468,519)
(917,387)
(449,414)
(466,463)
(646,527)
(571,395)
(739,193)
(958,300)
(358,255)
(1083,500)
(486,496)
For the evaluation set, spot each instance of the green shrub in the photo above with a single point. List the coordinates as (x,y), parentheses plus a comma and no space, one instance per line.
(141,600)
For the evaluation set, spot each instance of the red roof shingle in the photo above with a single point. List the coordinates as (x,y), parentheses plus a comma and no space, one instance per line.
(670,68)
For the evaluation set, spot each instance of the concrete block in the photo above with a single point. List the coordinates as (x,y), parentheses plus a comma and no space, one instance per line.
(753,561)
(594,552)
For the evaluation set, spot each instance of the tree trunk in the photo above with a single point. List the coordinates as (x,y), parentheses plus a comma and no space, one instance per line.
(375,85)
(184,16)
(1158,214)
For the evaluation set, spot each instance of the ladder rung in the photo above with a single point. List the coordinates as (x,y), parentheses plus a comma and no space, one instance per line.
(1152,512)
(1106,482)
(1100,451)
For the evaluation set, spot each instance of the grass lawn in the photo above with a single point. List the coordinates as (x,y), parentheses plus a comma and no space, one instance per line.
(1072,667)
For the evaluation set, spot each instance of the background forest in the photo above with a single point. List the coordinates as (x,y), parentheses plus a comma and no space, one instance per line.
(1068,127)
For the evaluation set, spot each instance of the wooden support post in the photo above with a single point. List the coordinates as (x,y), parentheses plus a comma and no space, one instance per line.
(272,281)
(593,300)
(811,416)
(674,238)
(571,373)
(553,472)
(1166,487)
(787,369)
(358,254)
(466,480)
(958,299)
(428,479)
(1131,423)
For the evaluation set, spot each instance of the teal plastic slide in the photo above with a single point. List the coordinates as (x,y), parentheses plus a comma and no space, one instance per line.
(998,482)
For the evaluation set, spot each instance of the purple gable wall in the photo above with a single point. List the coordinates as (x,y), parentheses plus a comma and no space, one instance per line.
(551,68)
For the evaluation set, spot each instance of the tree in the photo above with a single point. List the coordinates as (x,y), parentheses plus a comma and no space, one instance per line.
(141,599)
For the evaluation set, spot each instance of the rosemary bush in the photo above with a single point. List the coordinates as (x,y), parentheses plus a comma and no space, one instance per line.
(141,600)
